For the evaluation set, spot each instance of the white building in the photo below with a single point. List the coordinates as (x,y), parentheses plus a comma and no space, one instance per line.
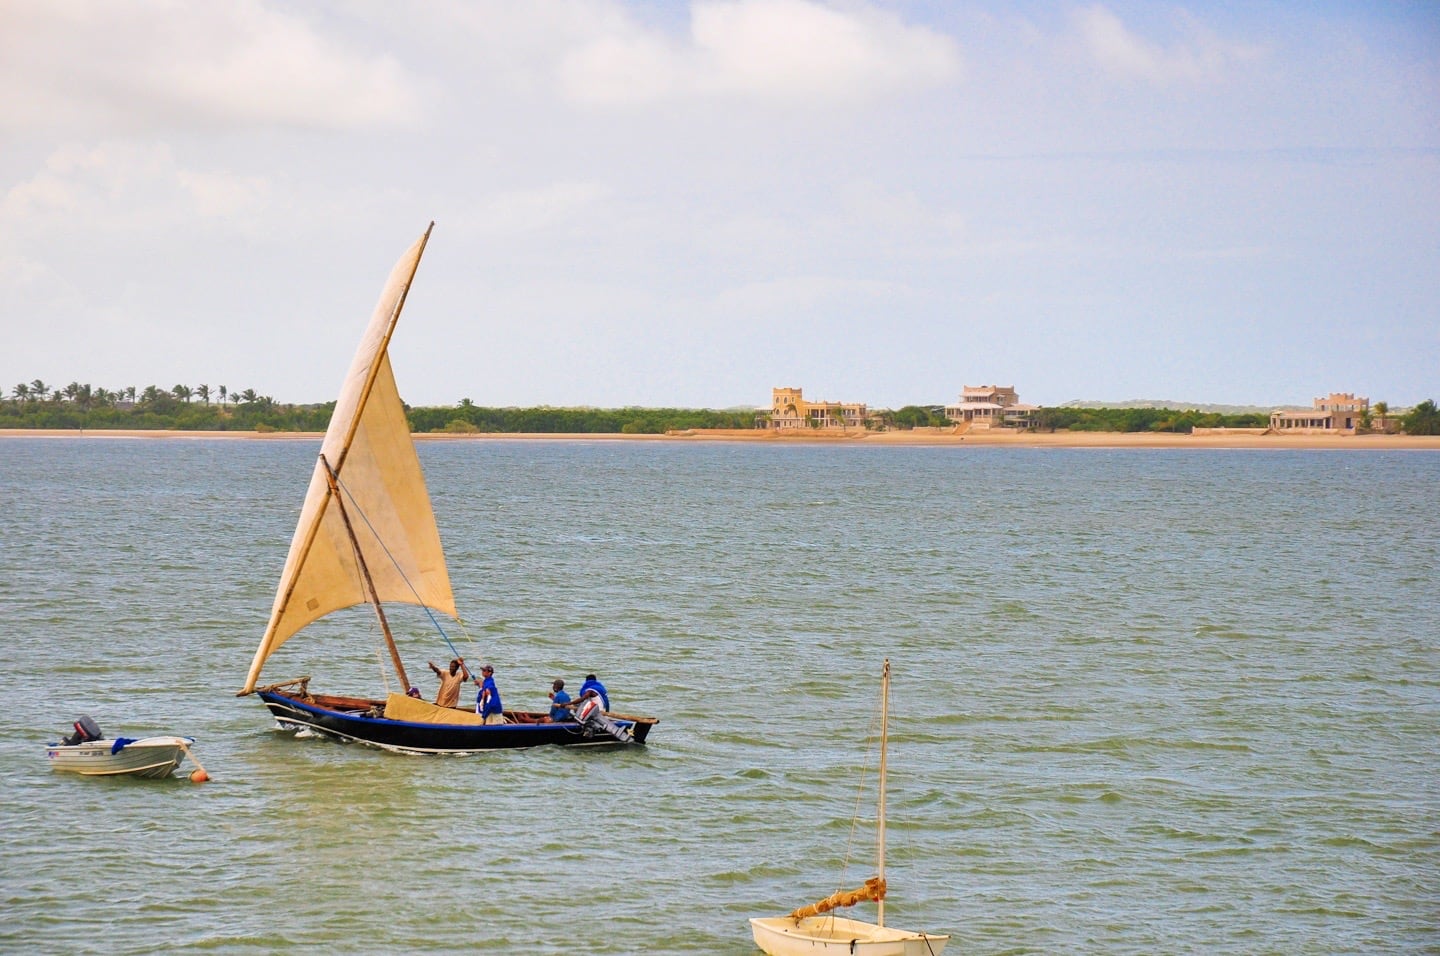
(990,406)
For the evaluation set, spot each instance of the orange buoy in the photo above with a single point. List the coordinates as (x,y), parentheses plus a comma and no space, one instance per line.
(198,775)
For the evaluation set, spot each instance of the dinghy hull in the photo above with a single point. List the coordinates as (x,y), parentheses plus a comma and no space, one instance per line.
(152,757)
(817,935)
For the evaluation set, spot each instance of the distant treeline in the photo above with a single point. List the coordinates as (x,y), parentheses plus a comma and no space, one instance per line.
(185,409)
(467,417)
(155,410)
(1141,420)
(76,406)
(1098,419)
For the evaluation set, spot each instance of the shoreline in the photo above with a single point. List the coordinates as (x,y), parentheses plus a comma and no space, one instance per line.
(918,437)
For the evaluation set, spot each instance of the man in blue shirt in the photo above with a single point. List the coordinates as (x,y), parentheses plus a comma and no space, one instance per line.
(487,702)
(559,703)
(593,683)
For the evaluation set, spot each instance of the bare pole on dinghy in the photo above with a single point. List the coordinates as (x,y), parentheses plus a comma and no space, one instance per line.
(365,573)
(880,822)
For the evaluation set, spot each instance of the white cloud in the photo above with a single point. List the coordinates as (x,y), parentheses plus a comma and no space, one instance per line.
(126,187)
(628,66)
(1200,55)
(149,64)
(783,51)
(529,210)
(798,49)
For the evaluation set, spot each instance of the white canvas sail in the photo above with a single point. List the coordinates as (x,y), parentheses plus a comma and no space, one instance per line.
(369,447)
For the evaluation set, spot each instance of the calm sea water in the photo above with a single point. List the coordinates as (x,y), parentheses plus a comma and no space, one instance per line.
(1144,701)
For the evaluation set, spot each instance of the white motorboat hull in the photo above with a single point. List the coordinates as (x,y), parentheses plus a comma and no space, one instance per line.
(814,935)
(147,757)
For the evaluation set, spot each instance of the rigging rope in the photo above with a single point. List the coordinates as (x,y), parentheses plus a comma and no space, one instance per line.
(396,564)
(360,585)
(871,736)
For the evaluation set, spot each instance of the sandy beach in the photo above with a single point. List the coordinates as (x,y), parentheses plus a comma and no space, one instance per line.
(919,436)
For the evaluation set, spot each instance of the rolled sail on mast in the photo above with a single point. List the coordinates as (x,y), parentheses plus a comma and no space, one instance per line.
(368,444)
(873,891)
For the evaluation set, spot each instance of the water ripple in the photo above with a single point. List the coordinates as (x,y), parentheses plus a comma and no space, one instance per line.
(1144,701)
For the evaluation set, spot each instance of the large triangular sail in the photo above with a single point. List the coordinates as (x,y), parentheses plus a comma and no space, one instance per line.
(369,448)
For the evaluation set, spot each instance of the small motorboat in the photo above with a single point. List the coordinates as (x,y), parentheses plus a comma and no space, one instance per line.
(89,752)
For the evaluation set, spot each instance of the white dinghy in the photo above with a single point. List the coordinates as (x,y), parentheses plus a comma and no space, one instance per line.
(813,930)
(88,752)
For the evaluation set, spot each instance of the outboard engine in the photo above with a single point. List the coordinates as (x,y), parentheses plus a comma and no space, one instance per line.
(86,730)
(593,720)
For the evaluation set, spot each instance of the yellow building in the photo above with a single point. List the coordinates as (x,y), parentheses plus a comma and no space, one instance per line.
(1338,412)
(788,409)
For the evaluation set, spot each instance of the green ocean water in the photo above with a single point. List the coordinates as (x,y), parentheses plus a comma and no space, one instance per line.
(1149,701)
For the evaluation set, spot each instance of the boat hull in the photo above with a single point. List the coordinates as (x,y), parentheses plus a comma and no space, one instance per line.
(355,719)
(152,757)
(815,935)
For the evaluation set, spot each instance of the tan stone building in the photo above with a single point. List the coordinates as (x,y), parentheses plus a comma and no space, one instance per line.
(789,409)
(1338,412)
(990,406)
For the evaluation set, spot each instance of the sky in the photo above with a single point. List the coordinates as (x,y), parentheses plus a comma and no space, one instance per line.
(686,204)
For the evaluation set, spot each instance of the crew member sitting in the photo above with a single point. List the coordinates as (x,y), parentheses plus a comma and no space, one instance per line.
(593,683)
(559,704)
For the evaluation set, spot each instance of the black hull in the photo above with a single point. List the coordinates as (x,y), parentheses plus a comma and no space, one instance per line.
(423,738)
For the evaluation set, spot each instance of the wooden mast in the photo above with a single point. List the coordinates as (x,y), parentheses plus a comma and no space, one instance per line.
(880,824)
(365,573)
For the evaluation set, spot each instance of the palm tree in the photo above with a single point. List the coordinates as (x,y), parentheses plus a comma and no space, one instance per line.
(204,392)
(39,389)
(224,392)
(22,392)
(1382,409)
(247,396)
(182,392)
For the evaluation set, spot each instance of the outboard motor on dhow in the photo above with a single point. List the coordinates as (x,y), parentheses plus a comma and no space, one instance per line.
(593,720)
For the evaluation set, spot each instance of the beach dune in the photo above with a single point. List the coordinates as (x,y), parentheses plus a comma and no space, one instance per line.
(919,436)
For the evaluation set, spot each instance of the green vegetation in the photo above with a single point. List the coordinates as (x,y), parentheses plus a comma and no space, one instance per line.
(183,408)
(468,417)
(36,405)
(920,416)
(1142,420)
(1423,419)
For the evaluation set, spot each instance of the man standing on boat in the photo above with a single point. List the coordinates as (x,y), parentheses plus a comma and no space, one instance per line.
(449,694)
(487,702)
